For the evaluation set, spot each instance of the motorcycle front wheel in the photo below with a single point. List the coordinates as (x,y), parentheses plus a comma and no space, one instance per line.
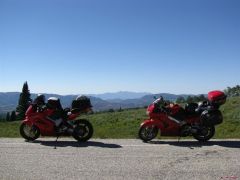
(29,133)
(83,131)
(147,133)
(204,134)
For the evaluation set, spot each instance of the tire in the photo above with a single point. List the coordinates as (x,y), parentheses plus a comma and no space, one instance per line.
(205,134)
(147,133)
(83,131)
(29,133)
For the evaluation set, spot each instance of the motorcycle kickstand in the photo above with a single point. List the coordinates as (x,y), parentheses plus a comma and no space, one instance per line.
(55,147)
(179,138)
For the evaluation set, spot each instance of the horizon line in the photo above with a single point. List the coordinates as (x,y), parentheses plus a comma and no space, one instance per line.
(114,92)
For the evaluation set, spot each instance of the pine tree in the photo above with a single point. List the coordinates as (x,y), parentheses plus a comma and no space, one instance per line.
(23,102)
(120,109)
(13,116)
(8,117)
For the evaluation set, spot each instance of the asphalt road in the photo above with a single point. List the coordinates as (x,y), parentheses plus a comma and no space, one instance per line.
(119,159)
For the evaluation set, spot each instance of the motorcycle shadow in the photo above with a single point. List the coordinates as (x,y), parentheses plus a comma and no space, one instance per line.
(76,144)
(193,143)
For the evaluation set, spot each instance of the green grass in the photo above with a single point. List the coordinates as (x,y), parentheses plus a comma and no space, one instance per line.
(9,129)
(230,128)
(125,124)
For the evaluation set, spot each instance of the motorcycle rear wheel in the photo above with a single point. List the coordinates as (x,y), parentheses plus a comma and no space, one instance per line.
(83,131)
(147,133)
(205,134)
(29,133)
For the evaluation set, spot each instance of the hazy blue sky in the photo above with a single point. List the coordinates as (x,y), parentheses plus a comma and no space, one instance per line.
(96,46)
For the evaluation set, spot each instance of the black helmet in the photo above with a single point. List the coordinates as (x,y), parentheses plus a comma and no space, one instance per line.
(85,100)
(82,103)
(40,99)
(54,103)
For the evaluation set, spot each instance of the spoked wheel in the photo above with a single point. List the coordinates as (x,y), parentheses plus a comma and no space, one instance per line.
(83,131)
(205,133)
(29,133)
(147,133)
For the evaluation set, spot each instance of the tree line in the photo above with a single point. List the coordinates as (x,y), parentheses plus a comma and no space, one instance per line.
(232,92)
(191,99)
(10,116)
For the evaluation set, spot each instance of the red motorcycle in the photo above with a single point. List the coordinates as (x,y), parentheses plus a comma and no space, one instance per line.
(197,120)
(37,122)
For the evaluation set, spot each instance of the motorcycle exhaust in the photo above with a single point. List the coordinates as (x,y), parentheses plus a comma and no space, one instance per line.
(194,130)
(70,131)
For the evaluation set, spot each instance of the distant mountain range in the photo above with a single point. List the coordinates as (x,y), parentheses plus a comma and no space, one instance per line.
(100,102)
(122,95)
